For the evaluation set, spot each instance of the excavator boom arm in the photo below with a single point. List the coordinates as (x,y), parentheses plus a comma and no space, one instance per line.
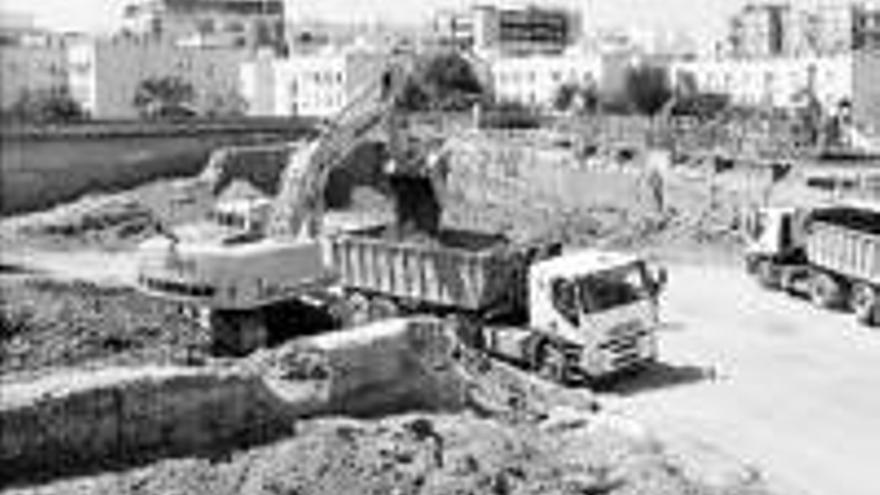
(299,204)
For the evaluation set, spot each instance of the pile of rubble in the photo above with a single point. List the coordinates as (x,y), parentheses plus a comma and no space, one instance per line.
(422,415)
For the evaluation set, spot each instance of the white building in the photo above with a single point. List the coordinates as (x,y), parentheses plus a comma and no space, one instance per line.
(535,80)
(851,77)
(316,85)
(774,82)
(31,62)
(105,73)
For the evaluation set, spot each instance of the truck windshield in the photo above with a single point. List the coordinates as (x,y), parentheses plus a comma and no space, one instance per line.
(612,288)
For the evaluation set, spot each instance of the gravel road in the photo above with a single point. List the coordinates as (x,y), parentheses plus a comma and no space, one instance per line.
(768,378)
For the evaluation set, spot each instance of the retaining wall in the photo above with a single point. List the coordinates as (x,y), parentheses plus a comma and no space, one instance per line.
(485,169)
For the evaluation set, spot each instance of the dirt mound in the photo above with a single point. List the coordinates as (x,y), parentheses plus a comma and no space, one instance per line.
(45,323)
(494,429)
(424,454)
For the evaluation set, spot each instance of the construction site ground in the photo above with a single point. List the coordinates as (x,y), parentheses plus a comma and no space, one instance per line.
(753,389)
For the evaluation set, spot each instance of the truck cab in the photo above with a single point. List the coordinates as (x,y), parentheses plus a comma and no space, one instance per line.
(775,236)
(600,307)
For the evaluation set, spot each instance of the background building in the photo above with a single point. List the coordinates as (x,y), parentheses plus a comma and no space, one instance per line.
(775,82)
(803,29)
(105,73)
(512,31)
(237,23)
(759,30)
(315,84)
(31,61)
(535,81)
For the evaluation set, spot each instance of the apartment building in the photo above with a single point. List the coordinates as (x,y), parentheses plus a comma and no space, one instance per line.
(104,73)
(31,61)
(775,82)
(535,80)
(787,29)
(524,30)
(316,84)
(237,23)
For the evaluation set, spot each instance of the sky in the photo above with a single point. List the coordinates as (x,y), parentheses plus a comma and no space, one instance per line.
(701,17)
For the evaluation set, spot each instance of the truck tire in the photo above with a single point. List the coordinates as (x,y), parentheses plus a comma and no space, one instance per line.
(551,363)
(768,275)
(865,303)
(383,308)
(358,309)
(825,291)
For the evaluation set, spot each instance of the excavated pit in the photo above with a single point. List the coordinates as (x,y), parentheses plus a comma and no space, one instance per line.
(87,421)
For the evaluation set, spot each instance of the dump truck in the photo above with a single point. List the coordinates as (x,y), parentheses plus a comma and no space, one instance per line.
(831,254)
(570,316)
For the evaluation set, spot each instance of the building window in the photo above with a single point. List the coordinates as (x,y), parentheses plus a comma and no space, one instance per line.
(205,26)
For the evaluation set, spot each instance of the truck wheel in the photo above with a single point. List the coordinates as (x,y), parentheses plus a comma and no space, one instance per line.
(551,364)
(359,306)
(382,308)
(825,292)
(768,275)
(865,303)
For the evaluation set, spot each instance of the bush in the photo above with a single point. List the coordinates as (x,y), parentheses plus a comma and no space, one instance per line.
(164,97)
(509,115)
(647,89)
(701,105)
(443,82)
(571,96)
(45,107)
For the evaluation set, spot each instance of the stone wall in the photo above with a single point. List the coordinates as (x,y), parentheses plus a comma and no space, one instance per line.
(500,171)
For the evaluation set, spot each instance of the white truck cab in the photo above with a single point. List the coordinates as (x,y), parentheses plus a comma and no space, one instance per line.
(592,314)
(603,302)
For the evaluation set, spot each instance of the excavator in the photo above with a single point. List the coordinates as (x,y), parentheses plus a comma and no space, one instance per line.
(269,258)
(567,315)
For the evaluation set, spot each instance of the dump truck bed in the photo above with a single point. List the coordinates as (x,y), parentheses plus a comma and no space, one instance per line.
(847,241)
(456,269)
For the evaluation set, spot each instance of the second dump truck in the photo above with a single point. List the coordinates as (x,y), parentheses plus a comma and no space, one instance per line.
(830,254)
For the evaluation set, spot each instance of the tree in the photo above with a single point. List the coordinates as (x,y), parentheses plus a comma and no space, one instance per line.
(564,97)
(580,98)
(158,96)
(413,97)
(647,89)
(45,106)
(442,82)
(225,104)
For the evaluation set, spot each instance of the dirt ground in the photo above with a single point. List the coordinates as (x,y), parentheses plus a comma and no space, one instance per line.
(766,377)
(64,322)
(429,454)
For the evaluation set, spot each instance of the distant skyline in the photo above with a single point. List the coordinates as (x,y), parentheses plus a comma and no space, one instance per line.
(704,19)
